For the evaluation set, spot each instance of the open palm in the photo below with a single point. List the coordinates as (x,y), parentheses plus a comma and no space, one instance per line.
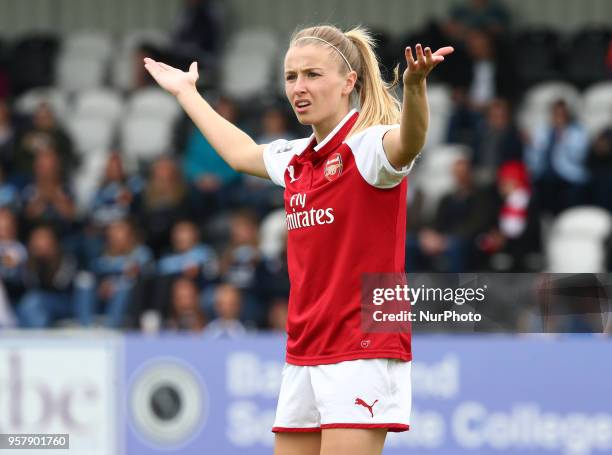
(172,79)
(418,69)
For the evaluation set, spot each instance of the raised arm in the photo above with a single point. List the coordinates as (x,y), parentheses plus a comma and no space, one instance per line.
(231,143)
(404,144)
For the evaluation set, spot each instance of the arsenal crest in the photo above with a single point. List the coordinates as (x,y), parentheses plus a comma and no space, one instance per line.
(333,167)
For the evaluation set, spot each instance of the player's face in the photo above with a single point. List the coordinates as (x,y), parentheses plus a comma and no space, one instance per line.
(314,85)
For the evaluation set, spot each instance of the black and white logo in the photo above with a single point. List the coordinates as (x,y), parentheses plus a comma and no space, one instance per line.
(169,403)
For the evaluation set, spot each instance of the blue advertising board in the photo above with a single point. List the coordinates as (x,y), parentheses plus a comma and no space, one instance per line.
(471,395)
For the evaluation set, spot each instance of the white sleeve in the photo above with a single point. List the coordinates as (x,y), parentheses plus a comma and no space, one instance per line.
(277,156)
(371,159)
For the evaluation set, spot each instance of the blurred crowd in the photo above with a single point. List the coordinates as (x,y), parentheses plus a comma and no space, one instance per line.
(183,242)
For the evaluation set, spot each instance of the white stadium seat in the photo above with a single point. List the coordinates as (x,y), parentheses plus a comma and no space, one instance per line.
(86,180)
(576,241)
(145,138)
(255,53)
(585,221)
(27,103)
(438,129)
(153,102)
(76,72)
(439,98)
(91,133)
(103,103)
(92,44)
(122,70)
(598,96)
(575,255)
(246,74)
(259,41)
(273,233)
(597,107)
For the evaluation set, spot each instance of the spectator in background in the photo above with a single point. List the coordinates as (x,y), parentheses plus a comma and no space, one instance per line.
(497,141)
(461,216)
(9,194)
(488,15)
(115,194)
(185,313)
(556,158)
(112,201)
(166,198)
(240,257)
(189,259)
(239,262)
(200,29)
(115,273)
(7,138)
(48,199)
(415,222)
(489,74)
(44,133)
(272,279)
(7,318)
(214,178)
(258,192)
(517,234)
(599,162)
(48,278)
(277,315)
(228,305)
(13,256)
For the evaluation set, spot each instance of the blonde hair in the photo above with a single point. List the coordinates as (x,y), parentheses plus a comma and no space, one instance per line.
(377,104)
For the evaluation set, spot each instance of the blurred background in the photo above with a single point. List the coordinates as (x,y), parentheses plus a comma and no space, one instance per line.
(156,275)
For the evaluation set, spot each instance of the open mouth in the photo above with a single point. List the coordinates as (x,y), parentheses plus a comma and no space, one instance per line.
(302,106)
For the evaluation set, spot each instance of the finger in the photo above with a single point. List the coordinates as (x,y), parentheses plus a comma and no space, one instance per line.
(153,68)
(436,61)
(419,53)
(148,60)
(447,50)
(410,58)
(193,68)
(428,57)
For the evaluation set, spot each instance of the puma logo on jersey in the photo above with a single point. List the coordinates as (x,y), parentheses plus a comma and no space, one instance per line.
(291,171)
(360,402)
(287,148)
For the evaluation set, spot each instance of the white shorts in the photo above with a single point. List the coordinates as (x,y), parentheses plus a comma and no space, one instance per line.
(368,393)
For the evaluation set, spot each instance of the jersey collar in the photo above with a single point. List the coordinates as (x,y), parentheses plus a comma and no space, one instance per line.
(334,132)
(339,132)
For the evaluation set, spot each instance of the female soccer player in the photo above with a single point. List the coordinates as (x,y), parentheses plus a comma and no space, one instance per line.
(345,199)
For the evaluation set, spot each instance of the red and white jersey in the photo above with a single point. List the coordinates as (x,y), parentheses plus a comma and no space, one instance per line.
(346,216)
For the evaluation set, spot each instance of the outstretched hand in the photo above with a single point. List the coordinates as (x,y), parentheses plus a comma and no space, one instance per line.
(172,79)
(426,61)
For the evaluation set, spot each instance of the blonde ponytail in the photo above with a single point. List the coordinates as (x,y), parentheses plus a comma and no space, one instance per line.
(377,104)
